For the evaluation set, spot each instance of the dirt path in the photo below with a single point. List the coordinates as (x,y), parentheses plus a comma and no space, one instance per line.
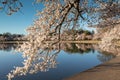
(107,71)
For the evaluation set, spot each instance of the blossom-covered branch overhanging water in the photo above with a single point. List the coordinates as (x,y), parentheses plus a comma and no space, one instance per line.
(59,15)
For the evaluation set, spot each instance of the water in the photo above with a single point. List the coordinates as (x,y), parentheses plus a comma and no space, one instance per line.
(69,61)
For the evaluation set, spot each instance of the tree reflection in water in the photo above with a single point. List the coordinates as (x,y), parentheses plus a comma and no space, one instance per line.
(42,59)
(8,47)
(86,48)
(73,48)
(105,56)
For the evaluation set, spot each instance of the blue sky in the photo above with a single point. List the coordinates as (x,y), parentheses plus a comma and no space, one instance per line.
(18,22)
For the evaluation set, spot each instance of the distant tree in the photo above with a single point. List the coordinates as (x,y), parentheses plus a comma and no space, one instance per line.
(0,34)
(7,34)
(80,31)
(87,32)
(93,32)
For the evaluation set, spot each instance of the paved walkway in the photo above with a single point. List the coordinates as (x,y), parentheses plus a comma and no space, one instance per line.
(107,71)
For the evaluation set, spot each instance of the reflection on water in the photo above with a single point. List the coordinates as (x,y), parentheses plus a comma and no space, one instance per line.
(8,47)
(77,48)
(35,63)
(73,58)
(87,48)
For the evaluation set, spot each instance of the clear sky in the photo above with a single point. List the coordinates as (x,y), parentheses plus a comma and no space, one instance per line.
(18,22)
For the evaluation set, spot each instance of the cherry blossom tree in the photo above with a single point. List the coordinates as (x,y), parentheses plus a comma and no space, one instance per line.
(59,15)
(10,6)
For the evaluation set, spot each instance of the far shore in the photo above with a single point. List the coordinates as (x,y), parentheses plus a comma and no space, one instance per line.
(80,41)
(12,42)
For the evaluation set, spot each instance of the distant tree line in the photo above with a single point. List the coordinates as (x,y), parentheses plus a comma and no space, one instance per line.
(71,34)
(10,37)
(77,35)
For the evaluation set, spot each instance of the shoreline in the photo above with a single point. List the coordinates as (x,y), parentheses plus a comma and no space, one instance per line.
(67,41)
(109,70)
(12,42)
(80,41)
